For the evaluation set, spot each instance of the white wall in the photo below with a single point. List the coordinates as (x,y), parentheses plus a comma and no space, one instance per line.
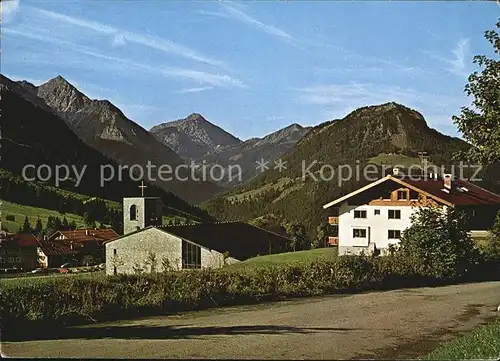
(377,225)
(133,251)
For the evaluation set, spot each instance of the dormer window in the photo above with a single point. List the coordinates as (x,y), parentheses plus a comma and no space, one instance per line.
(403,195)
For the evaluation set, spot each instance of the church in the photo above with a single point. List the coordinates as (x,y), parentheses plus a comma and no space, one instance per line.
(148,246)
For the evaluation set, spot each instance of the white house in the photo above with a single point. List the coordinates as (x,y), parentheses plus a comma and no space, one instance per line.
(374,216)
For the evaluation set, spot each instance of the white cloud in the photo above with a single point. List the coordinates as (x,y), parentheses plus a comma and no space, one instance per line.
(457,62)
(119,40)
(235,11)
(9,10)
(194,90)
(120,64)
(119,37)
(461,52)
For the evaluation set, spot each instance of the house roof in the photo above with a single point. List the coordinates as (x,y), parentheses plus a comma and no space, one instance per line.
(55,249)
(84,235)
(473,195)
(241,240)
(20,240)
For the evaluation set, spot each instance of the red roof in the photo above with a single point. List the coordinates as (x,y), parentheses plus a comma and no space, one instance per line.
(20,240)
(54,249)
(473,195)
(84,235)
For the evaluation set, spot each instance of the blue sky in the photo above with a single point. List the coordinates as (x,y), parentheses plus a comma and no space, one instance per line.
(252,67)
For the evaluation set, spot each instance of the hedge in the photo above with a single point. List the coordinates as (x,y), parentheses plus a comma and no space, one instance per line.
(74,300)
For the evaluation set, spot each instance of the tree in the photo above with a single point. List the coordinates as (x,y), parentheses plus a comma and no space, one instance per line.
(480,125)
(322,233)
(297,233)
(38,227)
(493,247)
(26,226)
(72,225)
(57,224)
(65,224)
(438,244)
(89,222)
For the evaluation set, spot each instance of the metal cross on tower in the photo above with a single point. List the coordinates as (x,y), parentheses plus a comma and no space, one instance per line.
(142,186)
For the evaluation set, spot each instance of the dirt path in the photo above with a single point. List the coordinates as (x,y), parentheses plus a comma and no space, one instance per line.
(393,324)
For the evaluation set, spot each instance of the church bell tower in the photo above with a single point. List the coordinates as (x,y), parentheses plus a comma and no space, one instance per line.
(141,212)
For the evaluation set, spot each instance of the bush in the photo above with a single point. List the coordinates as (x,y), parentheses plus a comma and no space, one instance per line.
(438,245)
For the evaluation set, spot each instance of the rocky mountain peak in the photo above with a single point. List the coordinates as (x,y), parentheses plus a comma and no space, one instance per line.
(195,117)
(62,96)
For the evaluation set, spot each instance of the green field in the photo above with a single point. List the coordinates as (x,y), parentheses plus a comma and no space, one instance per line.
(34,279)
(289,257)
(481,344)
(20,211)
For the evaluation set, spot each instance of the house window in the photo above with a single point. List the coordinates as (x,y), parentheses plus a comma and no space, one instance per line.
(10,259)
(18,259)
(133,212)
(402,195)
(2,260)
(394,234)
(359,214)
(359,233)
(114,270)
(377,212)
(394,214)
(2,250)
(114,251)
(191,255)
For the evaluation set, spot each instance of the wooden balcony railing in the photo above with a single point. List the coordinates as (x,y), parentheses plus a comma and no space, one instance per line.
(333,241)
(333,220)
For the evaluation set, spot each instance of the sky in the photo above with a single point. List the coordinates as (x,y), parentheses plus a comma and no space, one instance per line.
(252,67)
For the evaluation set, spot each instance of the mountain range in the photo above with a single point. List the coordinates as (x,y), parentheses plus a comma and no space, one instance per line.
(55,122)
(34,134)
(196,139)
(104,127)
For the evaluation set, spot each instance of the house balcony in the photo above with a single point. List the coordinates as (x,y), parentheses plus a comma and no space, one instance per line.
(333,241)
(333,220)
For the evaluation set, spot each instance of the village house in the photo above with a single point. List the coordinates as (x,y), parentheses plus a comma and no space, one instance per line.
(153,247)
(374,216)
(18,251)
(82,246)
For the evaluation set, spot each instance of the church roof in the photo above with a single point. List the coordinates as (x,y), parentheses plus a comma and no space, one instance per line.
(240,239)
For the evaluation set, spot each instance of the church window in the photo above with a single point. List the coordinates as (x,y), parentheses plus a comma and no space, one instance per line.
(133,212)
(191,255)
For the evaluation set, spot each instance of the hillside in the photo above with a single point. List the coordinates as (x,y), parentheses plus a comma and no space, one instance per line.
(104,127)
(33,134)
(196,139)
(361,137)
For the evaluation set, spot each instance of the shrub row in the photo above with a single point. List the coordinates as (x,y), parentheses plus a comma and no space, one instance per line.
(75,300)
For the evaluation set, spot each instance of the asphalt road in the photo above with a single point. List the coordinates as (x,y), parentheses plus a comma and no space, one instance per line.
(394,324)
